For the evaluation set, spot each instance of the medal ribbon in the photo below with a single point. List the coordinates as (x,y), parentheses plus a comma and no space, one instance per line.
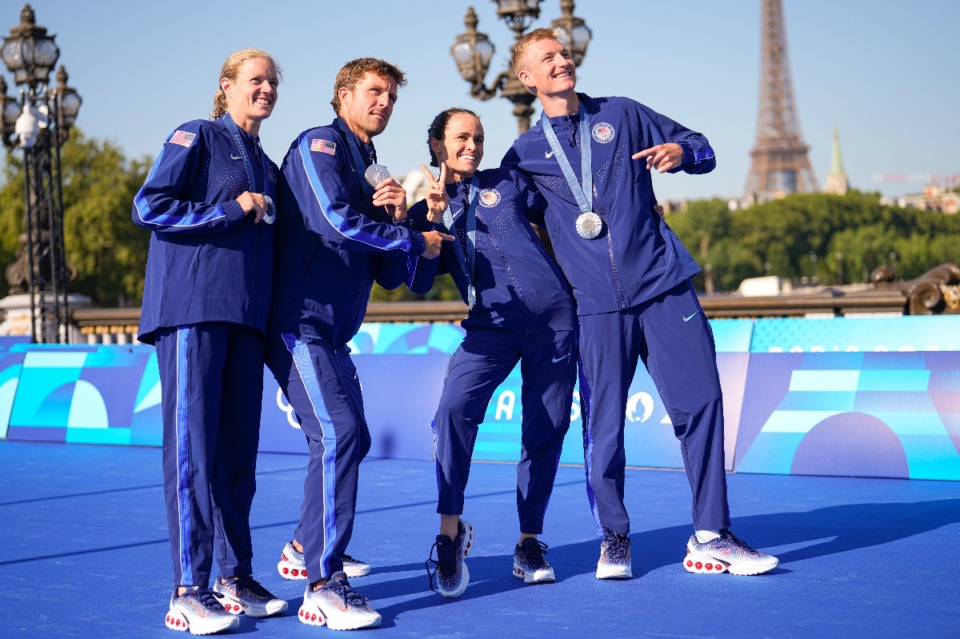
(470,210)
(584,194)
(255,184)
(358,164)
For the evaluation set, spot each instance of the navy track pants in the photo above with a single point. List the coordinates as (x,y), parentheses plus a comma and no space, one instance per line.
(671,336)
(322,386)
(477,368)
(211,380)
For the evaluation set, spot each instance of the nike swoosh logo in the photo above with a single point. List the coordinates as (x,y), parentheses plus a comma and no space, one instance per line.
(235,157)
(548,155)
(557,360)
(687,318)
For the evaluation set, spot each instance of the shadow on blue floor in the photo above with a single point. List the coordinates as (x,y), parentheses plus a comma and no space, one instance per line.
(84,552)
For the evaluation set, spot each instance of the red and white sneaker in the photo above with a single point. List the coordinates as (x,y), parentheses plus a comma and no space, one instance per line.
(726,553)
(246,595)
(292,565)
(337,606)
(199,612)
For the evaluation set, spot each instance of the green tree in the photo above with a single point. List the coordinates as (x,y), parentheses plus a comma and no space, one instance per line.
(802,236)
(443,290)
(101,242)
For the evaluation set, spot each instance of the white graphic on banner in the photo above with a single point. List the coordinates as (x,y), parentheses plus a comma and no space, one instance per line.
(288,409)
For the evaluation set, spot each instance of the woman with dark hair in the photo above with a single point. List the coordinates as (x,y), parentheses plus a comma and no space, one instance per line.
(208,201)
(520,311)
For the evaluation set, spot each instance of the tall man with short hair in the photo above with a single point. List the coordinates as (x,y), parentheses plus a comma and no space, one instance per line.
(631,278)
(336,235)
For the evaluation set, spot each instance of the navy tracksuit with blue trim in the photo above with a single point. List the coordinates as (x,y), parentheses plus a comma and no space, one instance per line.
(635,300)
(523,313)
(205,305)
(332,244)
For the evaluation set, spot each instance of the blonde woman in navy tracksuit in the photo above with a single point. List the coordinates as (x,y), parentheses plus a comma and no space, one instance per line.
(208,202)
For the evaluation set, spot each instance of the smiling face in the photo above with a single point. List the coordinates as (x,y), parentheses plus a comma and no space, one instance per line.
(461,148)
(367,106)
(253,94)
(547,69)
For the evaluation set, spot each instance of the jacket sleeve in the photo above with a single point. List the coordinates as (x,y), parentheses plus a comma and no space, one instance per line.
(317,170)
(162,203)
(422,271)
(533,203)
(391,270)
(698,155)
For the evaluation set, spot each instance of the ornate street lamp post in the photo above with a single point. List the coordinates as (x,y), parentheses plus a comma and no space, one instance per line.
(38,122)
(472,51)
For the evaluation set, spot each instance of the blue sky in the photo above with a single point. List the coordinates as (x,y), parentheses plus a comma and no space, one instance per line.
(884,72)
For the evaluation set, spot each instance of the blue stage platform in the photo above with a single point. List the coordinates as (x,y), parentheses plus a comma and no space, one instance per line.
(85,553)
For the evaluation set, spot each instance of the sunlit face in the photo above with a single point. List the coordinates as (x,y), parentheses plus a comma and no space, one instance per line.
(253,94)
(367,107)
(547,68)
(461,148)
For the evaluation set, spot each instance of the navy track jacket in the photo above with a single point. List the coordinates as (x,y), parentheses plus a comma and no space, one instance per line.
(208,262)
(519,286)
(332,243)
(637,256)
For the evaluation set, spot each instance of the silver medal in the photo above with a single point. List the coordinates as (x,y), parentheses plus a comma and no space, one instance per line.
(270,215)
(589,225)
(375,174)
(471,296)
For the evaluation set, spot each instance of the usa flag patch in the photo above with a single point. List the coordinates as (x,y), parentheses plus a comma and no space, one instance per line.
(323,146)
(183,138)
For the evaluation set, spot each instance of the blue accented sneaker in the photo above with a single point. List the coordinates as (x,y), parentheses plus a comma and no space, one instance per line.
(245,594)
(199,612)
(726,554)
(338,606)
(529,564)
(615,561)
(292,565)
(450,568)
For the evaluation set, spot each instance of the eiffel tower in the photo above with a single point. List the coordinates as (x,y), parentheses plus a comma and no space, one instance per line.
(780,164)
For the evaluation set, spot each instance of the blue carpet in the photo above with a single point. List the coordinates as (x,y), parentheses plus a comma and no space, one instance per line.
(84,553)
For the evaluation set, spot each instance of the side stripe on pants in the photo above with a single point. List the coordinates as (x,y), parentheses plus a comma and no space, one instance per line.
(311,384)
(183,458)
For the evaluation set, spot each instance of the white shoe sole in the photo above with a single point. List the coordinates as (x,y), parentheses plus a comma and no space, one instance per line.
(297,572)
(614,571)
(178,621)
(542,576)
(235,607)
(703,564)
(312,615)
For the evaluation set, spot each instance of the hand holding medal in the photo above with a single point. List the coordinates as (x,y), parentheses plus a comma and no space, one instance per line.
(388,193)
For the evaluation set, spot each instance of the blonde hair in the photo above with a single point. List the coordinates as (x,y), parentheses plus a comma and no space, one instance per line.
(354,71)
(534,36)
(230,70)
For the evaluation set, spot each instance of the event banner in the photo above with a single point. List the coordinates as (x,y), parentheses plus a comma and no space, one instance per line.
(852,414)
(865,397)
